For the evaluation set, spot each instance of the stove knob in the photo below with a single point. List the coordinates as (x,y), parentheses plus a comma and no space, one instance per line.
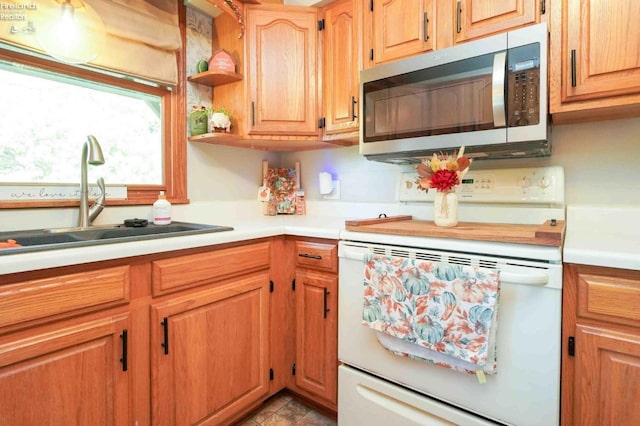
(525,181)
(543,182)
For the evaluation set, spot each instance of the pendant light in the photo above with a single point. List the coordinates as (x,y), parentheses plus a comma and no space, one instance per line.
(71,31)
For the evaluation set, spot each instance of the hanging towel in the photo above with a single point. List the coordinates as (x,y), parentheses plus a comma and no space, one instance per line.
(441,313)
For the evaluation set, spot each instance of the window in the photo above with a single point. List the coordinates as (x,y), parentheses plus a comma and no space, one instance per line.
(48,119)
(49,109)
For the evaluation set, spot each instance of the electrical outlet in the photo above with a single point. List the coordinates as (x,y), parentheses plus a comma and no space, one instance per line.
(335,193)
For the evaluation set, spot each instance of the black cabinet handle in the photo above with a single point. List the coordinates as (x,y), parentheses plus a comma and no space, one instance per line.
(310,256)
(326,293)
(253,113)
(573,68)
(165,343)
(458,17)
(353,108)
(426,26)
(125,355)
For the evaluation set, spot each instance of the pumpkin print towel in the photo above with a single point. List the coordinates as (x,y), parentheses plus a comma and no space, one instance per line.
(442,313)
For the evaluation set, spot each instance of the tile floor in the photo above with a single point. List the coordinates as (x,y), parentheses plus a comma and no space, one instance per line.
(284,410)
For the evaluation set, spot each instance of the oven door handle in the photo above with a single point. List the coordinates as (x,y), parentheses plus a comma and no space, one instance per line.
(529,278)
(354,253)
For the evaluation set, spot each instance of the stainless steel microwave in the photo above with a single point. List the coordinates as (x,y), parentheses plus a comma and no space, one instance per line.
(489,95)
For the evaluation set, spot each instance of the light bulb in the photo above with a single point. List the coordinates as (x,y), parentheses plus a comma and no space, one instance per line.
(73,35)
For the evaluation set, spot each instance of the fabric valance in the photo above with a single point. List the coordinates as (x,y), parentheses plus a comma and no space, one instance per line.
(142,36)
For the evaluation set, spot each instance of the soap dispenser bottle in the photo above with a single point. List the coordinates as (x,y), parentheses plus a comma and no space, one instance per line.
(162,210)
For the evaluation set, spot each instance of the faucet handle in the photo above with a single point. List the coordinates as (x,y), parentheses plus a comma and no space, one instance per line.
(100,202)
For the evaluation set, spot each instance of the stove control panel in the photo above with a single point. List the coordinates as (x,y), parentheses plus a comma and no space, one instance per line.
(535,185)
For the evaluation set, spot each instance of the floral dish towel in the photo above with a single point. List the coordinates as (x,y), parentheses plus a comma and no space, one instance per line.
(437,312)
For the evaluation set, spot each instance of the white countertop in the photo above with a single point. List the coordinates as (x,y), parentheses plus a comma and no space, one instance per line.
(603,236)
(243,230)
(595,235)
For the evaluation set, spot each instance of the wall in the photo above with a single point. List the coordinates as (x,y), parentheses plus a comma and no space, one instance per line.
(601,162)
(216,173)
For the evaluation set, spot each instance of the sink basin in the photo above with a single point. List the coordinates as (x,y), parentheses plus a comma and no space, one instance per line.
(48,239)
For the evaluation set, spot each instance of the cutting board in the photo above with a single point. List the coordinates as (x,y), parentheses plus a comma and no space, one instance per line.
(545,234)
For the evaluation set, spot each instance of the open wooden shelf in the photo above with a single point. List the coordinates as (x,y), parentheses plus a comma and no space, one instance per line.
(215,78)
(267,144)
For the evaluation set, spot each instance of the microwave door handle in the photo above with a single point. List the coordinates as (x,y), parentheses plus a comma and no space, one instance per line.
(498,89)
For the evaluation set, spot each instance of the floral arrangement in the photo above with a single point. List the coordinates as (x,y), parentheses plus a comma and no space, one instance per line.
(442,172)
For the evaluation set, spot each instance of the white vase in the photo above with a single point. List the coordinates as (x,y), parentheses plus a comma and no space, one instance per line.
(445,208)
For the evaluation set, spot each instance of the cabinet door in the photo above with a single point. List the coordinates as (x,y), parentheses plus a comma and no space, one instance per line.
(601,50)
(316,334)
(400,28)
(282,53)
(209,352)
(340,67)
(71,375)
(607,372)
(479,18)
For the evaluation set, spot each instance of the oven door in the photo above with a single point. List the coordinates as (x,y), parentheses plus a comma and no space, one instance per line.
(525,390)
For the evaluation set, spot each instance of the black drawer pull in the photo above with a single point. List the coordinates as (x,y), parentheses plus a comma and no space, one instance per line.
(310,256)
(125,350)
(165,343)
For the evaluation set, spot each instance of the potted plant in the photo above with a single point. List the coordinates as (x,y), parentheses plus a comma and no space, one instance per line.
(219,119)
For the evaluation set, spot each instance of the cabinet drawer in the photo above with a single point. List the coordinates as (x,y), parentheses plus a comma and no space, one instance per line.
(42,298)
(317,256)
(181,272)
(611,296)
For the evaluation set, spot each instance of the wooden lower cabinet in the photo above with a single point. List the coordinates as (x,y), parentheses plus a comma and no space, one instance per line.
(209,356)
(69,375)
(316,319)
(316,368)
(601,347)
(199,336)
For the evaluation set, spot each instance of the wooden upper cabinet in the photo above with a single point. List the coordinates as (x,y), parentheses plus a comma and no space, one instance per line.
(595,60)
(340,67)
(480,18)
(398,28)
(282,52)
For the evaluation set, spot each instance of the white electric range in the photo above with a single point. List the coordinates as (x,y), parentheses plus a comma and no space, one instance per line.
(377,387)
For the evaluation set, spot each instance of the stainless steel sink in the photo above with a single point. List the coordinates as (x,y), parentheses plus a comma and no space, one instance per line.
(49,239)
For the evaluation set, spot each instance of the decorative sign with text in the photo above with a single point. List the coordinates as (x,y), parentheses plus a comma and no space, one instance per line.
(221,61)
(57,192)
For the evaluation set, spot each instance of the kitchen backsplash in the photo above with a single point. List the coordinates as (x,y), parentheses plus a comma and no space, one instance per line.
(600,159)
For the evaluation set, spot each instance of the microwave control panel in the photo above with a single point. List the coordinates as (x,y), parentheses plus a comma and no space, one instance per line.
(523,92)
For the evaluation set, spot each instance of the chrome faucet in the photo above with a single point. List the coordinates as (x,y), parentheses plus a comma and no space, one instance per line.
(91,154)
